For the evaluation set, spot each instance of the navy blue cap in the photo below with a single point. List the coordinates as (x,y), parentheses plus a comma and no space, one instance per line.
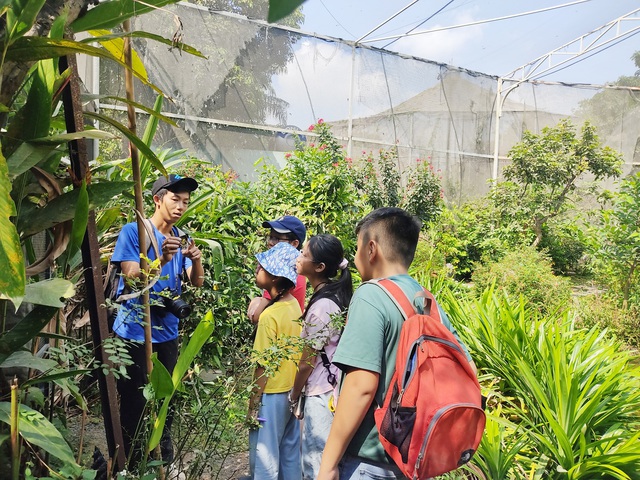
(174,183)
(288,224)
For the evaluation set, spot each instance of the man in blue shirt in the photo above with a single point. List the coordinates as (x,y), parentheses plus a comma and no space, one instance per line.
(171,196)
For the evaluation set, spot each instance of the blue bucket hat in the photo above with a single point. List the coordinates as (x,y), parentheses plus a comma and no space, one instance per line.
(280,261)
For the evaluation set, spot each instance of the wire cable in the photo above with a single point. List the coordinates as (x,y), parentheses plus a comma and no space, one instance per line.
(420,24)
(479,22)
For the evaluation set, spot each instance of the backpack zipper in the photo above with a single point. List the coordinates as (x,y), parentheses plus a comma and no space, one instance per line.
(432,424)
(409,364)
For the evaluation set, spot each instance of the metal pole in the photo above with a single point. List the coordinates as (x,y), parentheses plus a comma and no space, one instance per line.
(496,143)
(92,269)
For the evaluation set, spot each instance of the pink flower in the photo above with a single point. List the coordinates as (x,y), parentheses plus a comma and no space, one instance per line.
(369,159)
(349,160)
(320,121)
(312,145)
(323,146)
(418,160)
(336,164)
(364,152)
(287,155)
(311,127)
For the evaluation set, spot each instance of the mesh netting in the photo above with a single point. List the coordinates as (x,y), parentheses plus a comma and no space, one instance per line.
(262,85)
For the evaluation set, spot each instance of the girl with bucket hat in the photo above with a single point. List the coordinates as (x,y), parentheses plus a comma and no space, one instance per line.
(274,448)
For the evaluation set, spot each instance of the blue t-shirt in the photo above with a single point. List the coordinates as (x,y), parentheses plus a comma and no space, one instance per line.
(128,323)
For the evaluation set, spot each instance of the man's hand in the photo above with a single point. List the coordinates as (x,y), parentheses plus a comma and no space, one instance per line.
(169,248)
(192,251)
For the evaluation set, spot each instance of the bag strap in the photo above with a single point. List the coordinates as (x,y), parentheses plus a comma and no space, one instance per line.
(151,238)
(400,299)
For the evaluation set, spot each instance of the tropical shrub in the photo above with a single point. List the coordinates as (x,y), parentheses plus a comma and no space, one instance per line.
(566,245)
(377,179)
(597,310)
(423,195)
(563,401)
(525,273)
(316,186)
(541,182)
(618,243)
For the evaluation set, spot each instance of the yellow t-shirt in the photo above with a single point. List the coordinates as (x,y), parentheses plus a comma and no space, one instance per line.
(276,322)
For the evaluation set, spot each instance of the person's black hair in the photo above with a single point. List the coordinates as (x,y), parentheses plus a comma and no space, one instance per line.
(163,191)
(327,249)
(283,285)
(400,230)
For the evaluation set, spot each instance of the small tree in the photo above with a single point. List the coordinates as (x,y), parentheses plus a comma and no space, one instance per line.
(541,182)
(619,249)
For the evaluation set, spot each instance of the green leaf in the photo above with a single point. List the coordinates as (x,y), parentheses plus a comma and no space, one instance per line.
(27,155)
(20,21)
(67,137)
(144,108)
(201,334)
(61,209)
(50,292)
(147,138)
(115,46)
(100,36)
(25,330)
(111,14)
(12,274)
(79,222)
(24,359)
(144,149)
(40,48)
(160,378)
(37,430)
(278,9)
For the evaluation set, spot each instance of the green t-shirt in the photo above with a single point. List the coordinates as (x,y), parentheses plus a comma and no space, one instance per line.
(369,342)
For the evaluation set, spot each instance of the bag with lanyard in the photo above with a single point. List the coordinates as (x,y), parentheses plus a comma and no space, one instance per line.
(432,418)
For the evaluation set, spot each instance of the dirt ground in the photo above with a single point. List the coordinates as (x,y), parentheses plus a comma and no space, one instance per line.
(92,435)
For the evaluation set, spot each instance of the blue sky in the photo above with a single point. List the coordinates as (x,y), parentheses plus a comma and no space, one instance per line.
(495,48)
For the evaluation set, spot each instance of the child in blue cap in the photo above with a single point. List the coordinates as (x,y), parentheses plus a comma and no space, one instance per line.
(274,448)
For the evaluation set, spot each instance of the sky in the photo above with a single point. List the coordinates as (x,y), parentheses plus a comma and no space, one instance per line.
(496,48)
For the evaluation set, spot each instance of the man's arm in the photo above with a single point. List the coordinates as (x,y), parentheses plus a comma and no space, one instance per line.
(357,392)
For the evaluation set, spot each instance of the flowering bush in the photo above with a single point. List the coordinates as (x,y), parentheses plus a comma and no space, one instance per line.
(378,179)
(423,196)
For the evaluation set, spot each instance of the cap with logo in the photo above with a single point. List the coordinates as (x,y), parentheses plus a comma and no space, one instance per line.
(174,183)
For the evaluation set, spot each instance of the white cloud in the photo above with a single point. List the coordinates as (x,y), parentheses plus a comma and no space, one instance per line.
(443,45)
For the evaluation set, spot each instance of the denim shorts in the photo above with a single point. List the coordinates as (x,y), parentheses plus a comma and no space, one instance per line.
(354,468)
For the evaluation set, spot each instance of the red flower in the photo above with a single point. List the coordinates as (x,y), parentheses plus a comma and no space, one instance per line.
(320,121)
(311,127)
(312,145)
(323,146)
(336,164)
(287,155)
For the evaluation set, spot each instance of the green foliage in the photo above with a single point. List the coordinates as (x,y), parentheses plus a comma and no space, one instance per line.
(423,196)
(378,178)
(597,310)
(563,402)
(566,245)
(618,243)
(528,273)
(316,186)
(542,180)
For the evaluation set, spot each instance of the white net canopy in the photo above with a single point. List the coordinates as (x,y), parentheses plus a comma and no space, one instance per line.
(262,85)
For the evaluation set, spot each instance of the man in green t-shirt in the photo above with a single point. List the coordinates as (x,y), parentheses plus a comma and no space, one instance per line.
(387,240)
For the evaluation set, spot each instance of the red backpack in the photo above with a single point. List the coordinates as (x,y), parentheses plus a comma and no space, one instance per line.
(432,418)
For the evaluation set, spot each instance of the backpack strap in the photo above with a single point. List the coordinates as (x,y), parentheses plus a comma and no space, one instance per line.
(395,293)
